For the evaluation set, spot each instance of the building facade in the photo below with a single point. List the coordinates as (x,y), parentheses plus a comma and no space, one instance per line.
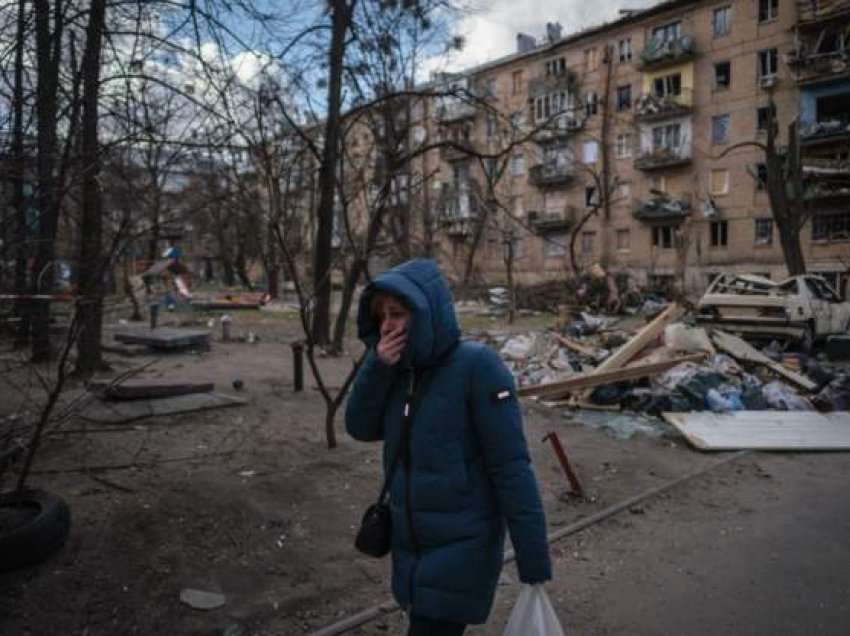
(666,112)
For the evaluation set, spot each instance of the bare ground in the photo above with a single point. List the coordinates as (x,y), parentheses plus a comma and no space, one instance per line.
(249,502)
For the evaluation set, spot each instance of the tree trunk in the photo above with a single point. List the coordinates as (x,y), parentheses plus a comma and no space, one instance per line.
(92,263)
(341,15)
(48,52)
(352,276)
(18,175)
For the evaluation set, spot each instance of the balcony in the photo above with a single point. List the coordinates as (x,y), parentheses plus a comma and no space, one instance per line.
(552,222)
(458,150)
(663,209)
(811,67)
(835,129)
(557,128)
(651,107)
(454,109)
(660,53)
(663,157)
(551,174)
(546,84)
(814,12)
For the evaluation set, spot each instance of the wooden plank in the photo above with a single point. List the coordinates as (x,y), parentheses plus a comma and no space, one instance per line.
(584,350)
(764,430)
(131,411)
(143,390)
(164,337)
(741,350)
(590,380)
(641,339)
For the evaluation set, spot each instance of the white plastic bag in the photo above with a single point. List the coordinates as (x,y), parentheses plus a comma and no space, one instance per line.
(533,614)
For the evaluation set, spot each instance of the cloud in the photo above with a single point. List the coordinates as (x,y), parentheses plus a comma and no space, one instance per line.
(490,27)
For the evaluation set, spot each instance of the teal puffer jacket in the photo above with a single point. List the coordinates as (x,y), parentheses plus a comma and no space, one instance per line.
(469,473)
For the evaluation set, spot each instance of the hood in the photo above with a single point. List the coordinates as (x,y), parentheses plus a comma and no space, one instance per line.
(433,329)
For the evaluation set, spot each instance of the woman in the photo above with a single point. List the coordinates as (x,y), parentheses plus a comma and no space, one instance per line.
(465,472)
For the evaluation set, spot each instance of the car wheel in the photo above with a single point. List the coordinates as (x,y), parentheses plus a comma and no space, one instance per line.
(33,524)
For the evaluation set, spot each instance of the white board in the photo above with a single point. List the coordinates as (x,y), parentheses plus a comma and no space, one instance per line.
(764,430)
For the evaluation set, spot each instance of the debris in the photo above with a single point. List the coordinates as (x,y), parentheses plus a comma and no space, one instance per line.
(142,390)
(781,397)
(838,347)
(517,348)
(201,600)
(835,396)
(741,350)
(593,379)
(724,398)
(590,352)
(764,430)
(680,337)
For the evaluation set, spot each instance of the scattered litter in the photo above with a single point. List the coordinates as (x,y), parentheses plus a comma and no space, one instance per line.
(782,397)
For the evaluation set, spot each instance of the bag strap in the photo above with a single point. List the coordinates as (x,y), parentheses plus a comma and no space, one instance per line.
(408,416)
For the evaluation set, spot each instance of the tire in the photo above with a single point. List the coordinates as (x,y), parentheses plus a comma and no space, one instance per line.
(33,525)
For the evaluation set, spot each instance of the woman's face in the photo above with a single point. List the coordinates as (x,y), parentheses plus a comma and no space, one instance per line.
(393,316)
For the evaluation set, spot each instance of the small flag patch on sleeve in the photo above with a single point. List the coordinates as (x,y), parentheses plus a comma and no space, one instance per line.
(502,394)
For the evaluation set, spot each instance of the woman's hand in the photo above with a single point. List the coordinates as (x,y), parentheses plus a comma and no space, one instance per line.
(391,346)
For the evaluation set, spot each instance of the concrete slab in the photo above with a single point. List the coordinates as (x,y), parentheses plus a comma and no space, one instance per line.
(130,411)
(167,338)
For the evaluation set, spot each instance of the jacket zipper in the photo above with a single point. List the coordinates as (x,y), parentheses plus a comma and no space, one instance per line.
(408,461)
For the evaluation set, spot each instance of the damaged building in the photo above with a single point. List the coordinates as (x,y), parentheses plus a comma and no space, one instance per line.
(655,104)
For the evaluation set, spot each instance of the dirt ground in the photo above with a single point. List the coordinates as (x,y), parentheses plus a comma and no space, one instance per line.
(249,502)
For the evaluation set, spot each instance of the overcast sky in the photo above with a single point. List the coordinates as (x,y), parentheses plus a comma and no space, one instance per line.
(490,26)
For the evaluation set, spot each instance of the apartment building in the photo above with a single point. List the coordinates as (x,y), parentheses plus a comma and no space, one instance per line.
(653,109)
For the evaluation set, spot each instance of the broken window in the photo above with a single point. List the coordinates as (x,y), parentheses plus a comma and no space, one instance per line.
(763,231)
(722,75)
(768,10)
(623,240)
(591,103)
(722,21)
(555,244)
(761,176)
(833,226)
(667,85)
(720,129)
(667,32)
(662,236)
(589,152)
(587,242)
(624,98)
(667,137)
(834,108)
(719,233)
(625,49)
(767,63)
(590,198)
(719,181)
(762,118)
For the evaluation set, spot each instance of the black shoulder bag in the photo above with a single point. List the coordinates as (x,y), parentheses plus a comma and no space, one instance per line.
(375,533)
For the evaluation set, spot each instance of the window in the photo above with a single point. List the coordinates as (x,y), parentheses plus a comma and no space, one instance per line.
(722,75)
(763,231)
(719,181)
(587,242)
(662,236)
(833,226)
(556,67)
(624,150)
(659,182)
(591,104)
(624,47)
(589,152)
(547,106)
(667,85)
(720,129)
(590,60)
(667,32)
(768,10)
(492,125)
(761,176)
(624,98)
(490,168)
(667,137)
(722,21)
(622,240)
(719,233)
(625,191)
(516,82)
(555,244)
(518,165)
(762,118)
(767,63)
(590,198)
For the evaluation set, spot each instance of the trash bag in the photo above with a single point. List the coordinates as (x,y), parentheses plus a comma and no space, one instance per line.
(609,394)
(782,397)
(751,394)
(773,351)
(816,372)
(725,365)
(724,398)
(533,614)
(680,337)
(835,396)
